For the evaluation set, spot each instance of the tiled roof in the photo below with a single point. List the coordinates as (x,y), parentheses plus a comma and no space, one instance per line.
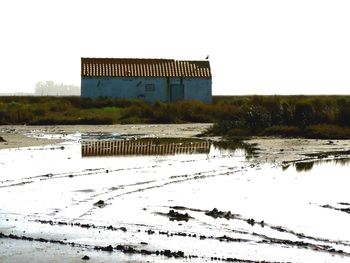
(125,67)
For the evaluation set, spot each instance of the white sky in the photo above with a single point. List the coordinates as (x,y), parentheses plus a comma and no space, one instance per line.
(255,46)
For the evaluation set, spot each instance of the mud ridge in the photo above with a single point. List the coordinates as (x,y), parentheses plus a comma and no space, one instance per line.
(215,213)
(51,176)
(196,176)
(305,245)
(265,239)
(87,226)
(127,249)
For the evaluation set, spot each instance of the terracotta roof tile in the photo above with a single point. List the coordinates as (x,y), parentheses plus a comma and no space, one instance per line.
(124,67)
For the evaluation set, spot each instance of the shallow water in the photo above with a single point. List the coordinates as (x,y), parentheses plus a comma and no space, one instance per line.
(277,213)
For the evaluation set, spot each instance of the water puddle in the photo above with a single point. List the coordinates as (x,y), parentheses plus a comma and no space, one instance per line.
(144,146)
(163,199)
(306,165)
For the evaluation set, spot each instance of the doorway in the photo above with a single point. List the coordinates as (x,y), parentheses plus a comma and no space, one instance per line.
(176,92)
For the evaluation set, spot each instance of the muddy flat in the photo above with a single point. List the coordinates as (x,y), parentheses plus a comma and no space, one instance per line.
(158,193)
(24,136)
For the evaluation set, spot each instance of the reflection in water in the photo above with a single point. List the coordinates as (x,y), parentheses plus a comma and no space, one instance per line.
(308,165)
(304,166)
(144,146)
(234,145)
(118,146)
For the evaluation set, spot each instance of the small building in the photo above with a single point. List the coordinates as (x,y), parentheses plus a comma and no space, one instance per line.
(153,80)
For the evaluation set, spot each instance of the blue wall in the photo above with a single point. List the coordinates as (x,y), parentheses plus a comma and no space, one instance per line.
(198,89)
(149,89)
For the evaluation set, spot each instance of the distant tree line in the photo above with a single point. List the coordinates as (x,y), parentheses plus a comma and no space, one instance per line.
(50,88)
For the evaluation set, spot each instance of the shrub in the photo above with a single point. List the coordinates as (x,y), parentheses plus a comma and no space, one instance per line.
(286,114)
(223,127)
(303,114)
(344,114)
(256,118)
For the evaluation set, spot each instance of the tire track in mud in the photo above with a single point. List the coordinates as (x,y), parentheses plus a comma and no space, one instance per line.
(127,249)
(52,176)
(110,190)
(169,181)
(86,172)
(264,239)
(43,177)
(197,236)
(326,247)
(133,249)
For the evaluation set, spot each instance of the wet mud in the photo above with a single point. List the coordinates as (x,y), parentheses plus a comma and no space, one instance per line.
(305,241)
(215,214)
(127,249)
(163,199)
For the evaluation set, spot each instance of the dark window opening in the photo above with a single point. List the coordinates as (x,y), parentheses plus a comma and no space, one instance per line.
(150,88)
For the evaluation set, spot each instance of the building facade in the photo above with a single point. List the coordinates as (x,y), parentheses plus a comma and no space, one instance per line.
(153,80)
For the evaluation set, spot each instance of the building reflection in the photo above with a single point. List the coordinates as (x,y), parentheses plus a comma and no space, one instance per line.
(144,147)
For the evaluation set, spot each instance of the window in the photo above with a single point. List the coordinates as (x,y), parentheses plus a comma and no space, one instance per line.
(150,88)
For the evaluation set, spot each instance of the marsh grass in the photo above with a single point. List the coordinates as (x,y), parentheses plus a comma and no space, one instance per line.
(325,117)
(233,116)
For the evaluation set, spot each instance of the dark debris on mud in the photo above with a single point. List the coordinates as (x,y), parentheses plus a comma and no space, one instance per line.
(215,213)
(85,257)
(176,216)
(100,204)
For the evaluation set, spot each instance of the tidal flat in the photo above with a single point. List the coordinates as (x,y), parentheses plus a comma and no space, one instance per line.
(158,193)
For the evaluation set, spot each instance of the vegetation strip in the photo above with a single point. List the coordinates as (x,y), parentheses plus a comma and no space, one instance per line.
(320,117)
